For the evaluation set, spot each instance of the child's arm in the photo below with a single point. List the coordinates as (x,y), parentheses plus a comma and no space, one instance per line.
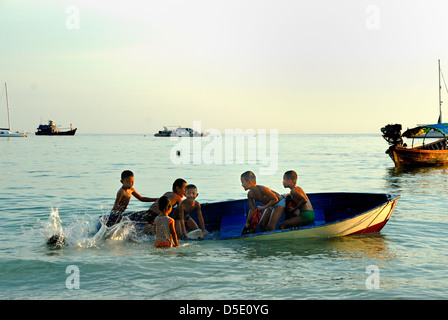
(251,210)
(298,199)
(143,199)
(272,199)
(182,221)
(173,234)
(200,218)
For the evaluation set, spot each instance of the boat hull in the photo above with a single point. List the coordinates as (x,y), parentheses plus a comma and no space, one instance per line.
(9,134)
(419,157)
(337,215)
(369,222)
(57,133)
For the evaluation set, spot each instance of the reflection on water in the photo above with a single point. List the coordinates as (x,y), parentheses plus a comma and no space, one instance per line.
(421,180)
(371,246)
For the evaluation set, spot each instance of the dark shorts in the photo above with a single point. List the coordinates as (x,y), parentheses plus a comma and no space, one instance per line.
(147,216)
(114,218)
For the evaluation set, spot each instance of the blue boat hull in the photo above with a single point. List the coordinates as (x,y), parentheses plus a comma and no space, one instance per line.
(336,214)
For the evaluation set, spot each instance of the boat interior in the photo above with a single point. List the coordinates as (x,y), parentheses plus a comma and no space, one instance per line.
(435,145)
(229,217)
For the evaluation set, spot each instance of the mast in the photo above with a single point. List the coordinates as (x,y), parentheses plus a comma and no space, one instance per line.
(7,105)
(440,99)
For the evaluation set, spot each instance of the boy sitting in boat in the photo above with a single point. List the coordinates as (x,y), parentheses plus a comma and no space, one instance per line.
(298,210)
(182,217)
(124,196)
(273,204)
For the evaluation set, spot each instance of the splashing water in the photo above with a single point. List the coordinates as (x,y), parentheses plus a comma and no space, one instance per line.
(87,231)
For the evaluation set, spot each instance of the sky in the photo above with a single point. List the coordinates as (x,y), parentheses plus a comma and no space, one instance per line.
(321,66)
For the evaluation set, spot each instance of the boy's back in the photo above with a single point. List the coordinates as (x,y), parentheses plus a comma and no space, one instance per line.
(162,230)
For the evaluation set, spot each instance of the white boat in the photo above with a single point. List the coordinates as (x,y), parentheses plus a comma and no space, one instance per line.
(179,132)
(6,132)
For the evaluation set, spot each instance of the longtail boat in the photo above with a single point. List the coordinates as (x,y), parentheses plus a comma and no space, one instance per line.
(430,153)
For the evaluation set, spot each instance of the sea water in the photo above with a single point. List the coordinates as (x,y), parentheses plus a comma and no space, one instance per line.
(63,184)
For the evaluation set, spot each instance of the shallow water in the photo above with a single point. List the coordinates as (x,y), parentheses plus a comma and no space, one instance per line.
(76,179)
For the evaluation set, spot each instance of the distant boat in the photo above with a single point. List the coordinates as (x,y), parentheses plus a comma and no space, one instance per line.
(424,154)
(50,129)
(6,132)
(179,132)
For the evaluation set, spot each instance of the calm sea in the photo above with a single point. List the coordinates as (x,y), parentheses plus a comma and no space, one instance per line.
(54,183)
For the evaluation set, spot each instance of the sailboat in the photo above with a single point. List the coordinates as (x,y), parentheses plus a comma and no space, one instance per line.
(6,132)
(424,154)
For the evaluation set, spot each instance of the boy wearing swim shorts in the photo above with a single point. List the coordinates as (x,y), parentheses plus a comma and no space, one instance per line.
(164,229)
(273,203)
(299,211)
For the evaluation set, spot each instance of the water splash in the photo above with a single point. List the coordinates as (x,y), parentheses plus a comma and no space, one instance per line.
(85,231)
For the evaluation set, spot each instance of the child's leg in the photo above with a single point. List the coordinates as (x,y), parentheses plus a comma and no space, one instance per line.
(297,220)
(191,225)
(178,229)
(293,222)
(264,220)
(275,217)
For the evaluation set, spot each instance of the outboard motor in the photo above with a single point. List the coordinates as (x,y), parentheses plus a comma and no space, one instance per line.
(392,134)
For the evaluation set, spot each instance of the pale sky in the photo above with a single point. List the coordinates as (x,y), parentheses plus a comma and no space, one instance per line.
(321,66)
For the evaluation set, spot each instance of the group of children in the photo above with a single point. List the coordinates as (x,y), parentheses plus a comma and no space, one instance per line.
(296,206)
(157,219)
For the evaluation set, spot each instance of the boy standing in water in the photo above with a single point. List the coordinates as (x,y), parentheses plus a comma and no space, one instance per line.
(273,207)
(183,220)
(164,226)
(124,196)
(299,210)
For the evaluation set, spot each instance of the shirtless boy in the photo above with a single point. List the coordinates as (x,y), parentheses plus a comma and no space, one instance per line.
(299,209)
(273,203)
(182,218)
(124,196)
(174,196)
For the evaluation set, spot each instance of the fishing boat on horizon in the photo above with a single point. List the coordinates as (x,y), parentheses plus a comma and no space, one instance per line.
(434,152)
(6,132)
(51,129)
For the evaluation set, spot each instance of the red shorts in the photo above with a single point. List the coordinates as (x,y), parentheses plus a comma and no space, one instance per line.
(163,244)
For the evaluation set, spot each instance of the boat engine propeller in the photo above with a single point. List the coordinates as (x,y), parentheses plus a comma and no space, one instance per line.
(392,134)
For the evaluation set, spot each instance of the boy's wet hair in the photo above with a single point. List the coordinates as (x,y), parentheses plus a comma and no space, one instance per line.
(191,186)
(178,183)
(291,175)
(164,203)
(126,174)
(56,241)
(249,176)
